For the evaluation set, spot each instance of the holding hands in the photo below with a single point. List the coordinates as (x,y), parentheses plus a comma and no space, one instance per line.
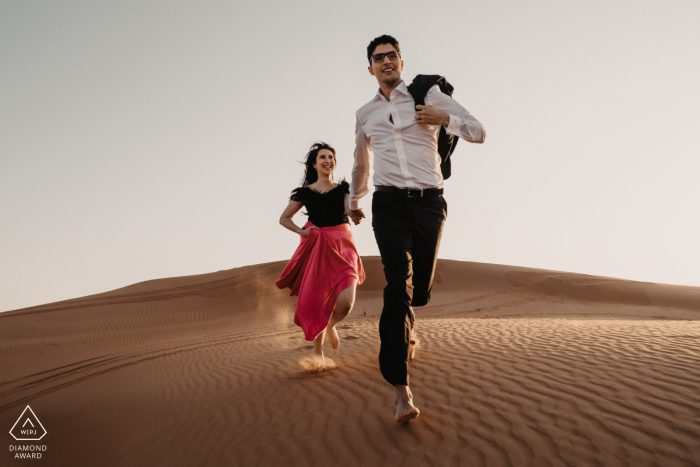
(429,115)
(356,215)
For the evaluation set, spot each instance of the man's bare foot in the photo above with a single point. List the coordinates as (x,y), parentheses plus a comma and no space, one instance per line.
(405,410)
(333,339)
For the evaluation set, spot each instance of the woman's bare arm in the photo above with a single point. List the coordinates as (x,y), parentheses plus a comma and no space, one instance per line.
(286,219)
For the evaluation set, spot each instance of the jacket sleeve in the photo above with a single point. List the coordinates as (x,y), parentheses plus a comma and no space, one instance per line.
(361,167)
(462,123)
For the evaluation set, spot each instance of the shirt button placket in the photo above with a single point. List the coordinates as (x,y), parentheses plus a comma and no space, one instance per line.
(400,150)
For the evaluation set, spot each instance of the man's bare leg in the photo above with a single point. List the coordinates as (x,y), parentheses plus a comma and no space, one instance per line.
(343,306)
(405,410)
(413,342)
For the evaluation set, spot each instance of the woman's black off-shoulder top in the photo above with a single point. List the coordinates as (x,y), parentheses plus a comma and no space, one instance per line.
(324,209)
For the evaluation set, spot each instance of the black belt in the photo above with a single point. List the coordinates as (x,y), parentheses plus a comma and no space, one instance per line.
(410,192)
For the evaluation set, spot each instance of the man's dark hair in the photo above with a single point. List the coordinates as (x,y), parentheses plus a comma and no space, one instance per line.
(385,39)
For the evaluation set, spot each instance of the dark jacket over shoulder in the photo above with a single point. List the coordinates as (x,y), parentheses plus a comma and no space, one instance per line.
(446,143)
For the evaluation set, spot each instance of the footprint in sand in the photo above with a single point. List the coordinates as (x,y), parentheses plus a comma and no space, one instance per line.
(349,338)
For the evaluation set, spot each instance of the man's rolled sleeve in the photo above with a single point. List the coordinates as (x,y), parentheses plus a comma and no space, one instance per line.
(361,167)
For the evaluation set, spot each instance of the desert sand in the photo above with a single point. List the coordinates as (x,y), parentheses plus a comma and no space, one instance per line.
(516,367)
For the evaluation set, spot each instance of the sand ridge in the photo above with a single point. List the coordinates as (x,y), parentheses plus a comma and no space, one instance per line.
(516,367)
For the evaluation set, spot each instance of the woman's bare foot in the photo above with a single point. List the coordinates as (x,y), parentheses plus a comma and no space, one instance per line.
(316,363)
(313,363)
(333,339)
(405,410)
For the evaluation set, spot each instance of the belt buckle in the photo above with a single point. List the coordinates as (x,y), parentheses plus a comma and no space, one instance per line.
(408,192)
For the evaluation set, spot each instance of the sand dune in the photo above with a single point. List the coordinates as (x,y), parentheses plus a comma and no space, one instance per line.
(517,366)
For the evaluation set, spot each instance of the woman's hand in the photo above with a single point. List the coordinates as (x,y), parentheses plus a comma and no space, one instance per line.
(356,215)
(306,232)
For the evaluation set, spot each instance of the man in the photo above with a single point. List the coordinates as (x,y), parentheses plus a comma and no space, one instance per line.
(408,210)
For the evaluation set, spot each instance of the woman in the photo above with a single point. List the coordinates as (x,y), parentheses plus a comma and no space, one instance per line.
(325,269)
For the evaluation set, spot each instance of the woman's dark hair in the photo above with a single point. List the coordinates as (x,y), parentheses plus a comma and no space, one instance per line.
(310,174)
(379,41)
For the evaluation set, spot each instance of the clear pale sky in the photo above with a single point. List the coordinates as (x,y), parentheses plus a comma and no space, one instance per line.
(149,139)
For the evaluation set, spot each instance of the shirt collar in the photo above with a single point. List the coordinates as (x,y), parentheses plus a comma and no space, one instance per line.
(402,88)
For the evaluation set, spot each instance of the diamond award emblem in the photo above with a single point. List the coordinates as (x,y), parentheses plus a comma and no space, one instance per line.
(28,427)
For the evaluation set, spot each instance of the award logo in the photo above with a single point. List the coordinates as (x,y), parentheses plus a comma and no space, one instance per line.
(28,428)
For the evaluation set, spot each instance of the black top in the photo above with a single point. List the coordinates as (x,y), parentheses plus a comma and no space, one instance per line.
(324,209)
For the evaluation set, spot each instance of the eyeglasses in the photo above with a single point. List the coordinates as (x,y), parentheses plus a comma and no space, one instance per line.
(392,56)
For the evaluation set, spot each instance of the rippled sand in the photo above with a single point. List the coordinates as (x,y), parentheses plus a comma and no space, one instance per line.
(516,367)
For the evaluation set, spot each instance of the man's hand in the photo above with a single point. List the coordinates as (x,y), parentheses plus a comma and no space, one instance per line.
(429,115)
(356,215)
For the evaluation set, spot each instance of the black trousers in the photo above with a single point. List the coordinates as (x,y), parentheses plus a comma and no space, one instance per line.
(408,232)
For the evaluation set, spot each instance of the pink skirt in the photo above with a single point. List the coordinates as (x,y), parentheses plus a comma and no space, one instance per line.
(324,264)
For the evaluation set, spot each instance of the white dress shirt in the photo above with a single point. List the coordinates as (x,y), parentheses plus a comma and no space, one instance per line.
(405,152)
